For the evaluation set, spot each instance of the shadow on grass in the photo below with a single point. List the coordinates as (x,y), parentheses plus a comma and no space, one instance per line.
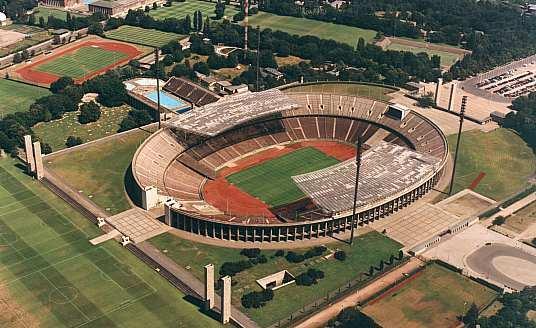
(131,187)
(201,307)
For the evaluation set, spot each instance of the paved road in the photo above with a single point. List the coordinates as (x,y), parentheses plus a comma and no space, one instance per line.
(483,261)
(321,318)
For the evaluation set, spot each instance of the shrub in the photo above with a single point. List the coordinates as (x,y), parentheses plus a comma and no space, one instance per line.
(310,277)
(73,141)
(251,252)
(280,253)
(89,112)
(60,84)
(500,220)
(257,299)
(340,255)
(297,258)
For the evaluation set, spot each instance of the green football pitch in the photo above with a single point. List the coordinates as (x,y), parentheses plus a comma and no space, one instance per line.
(272,182)
(143,36)
(51,276)
(81,62)
(17,97)
(179,10)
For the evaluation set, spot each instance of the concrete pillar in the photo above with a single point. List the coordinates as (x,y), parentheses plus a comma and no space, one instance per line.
(168,205)
(452,96)
(438,90)
(28,148)
(226,300)
(149,197)
(39,171)
(209,287)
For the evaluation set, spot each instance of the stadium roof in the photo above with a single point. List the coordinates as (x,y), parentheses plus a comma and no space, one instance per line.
(386,169)
(232,110)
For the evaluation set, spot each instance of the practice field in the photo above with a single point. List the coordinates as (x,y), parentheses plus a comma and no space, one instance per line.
(80,61)
(99,170)
(434,298)
(17,97)
(369,248)
(305,26)
(504,158)
(56,132)
(522,219)
(180,10)
(271,181)
(447,58)
(51,276)
(147,37)
(352,89)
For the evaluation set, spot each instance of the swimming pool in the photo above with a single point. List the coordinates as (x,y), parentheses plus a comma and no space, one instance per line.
(167,100)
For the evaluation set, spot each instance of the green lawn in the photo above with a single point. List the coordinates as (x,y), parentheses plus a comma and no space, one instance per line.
(305,26)
(81,62)
(434,299)
(45,12)
(147,37)
(353,89)
(271,181)
(447,58)
(501,154)
(368,249)
(179,10)
(51,276)
(56,132)
(99,170)
(17,97)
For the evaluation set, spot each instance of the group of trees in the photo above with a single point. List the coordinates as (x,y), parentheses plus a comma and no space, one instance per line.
(524,121)
(309,277)
(257,299)
(71,22)
(254,257)
(513,313)
(294,257)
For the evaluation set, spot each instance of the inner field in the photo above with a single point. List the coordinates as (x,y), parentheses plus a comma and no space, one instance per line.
(81,62)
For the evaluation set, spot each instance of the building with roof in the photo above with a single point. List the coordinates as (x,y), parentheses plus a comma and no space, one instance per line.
(118,7)
(143,94)
(61,3)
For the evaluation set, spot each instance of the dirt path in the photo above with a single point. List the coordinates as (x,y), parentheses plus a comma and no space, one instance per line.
(321,318)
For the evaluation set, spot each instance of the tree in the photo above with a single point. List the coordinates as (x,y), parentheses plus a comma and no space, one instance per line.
(155,6)
(360,44)
(96,29)
(202,68)
(89,112)
(60,84)
(352,318)
(73,141)
(426,101)
(499,220)
(181,70)
(470,318)
(198,21)
(340,255)
(219,9)
(46,148)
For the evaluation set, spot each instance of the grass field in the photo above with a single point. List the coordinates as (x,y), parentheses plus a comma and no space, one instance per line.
(45,12)
(305,26)
(501,154)
(368,249)
(147,37)
(434,299)
(81,62)
(17,97)
(180,10)
(271,181)
(51,276)
(447,58)
(522,219)
(362,90)
(99,170)
(56,132)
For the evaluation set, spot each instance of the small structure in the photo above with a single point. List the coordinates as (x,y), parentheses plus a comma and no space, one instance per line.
(4,21)
(149,197)
(272,72)
(397,111)
(60,35)
(498,117)
(276,280)
(437,94)
(28,148)
(39,170)
(227,88)
(414,88)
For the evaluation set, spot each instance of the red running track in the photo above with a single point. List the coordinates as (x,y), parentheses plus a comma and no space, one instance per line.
(235,202)
(29,74)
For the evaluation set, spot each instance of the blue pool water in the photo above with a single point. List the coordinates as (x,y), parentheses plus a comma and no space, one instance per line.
(166,100)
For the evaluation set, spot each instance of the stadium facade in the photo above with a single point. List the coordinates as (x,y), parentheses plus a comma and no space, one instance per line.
(405,158)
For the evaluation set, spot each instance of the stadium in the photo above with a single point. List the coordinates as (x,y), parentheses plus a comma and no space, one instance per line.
(279,165)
